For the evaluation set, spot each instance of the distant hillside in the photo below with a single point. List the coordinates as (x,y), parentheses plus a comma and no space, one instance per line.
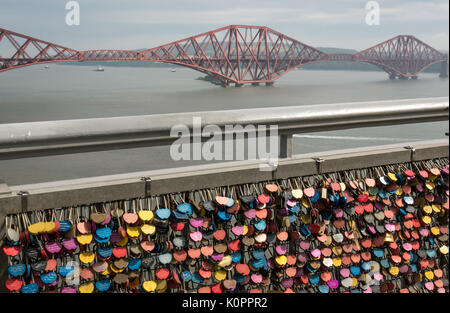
(332,65)
(336,50)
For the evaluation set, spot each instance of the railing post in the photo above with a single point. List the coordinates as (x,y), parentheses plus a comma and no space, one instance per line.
(285,146)
(147,185)
(4,188)
(413,152)
(24,199)
(319,162)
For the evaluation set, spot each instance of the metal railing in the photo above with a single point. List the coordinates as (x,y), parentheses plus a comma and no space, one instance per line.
(21,140)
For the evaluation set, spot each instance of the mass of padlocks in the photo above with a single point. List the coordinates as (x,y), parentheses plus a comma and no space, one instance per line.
(376,230)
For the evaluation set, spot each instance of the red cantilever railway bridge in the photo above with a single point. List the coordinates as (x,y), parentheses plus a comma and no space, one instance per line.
(233,54)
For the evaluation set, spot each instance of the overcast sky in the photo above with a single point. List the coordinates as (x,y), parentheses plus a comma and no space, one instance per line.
(133,24)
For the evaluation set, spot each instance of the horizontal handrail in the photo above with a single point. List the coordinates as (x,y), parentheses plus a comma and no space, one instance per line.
(19,140)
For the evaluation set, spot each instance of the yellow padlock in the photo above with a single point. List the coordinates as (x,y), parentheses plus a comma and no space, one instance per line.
(427,209)
(36,228)
(133,231)
(86,288)
(85,239)
(394,270)
(145,215)
(429,275)
(48,227)
(149,285)
(87,257)
(436,208)
(392,177)
(226,260)
(426,219)
(147,229)
(337,262)
(220,275)
(435,230)
(281,260)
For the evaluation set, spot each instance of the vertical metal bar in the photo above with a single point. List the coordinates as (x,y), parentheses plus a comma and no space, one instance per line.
(235,30)
(285,146)
(269,75)
(280,38)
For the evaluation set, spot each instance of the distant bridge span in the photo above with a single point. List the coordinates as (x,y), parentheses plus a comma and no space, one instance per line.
(233,54)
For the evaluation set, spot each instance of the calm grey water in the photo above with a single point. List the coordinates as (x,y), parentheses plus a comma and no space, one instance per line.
(69,92)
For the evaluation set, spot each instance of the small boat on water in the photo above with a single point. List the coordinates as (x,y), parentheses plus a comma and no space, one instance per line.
(46,67)
(173,70)
(99,69)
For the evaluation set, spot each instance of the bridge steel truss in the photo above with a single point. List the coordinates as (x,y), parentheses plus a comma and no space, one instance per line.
(233,54)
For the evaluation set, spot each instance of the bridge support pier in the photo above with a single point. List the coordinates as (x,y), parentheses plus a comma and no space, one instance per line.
(414,77)
(238,85)
(444,69)
(255,84)
(269,83)
(392,76)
